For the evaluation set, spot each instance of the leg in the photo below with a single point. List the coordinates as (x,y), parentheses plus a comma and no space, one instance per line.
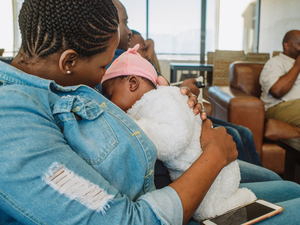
(274,191)
(242,153)
(247,138)
(284,193)
(254,173)
(236,138)
(290,214)
(286,111)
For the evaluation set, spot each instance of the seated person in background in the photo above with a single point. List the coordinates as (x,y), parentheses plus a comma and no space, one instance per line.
(242,136)
(146,49)
(280,82)
(162,113)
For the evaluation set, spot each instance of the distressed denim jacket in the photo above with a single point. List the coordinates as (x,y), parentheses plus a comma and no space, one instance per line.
(70,156)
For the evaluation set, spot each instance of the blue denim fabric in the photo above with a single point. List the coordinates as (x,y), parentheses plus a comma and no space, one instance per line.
(243,138)
(274,191)
(284,193)
(254,173)
(44,125)
(290,214)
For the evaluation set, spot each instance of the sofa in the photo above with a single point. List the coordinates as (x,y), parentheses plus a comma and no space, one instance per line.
(239,103)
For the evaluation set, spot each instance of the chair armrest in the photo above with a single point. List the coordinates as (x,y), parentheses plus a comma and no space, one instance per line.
(207,106)
(237,107)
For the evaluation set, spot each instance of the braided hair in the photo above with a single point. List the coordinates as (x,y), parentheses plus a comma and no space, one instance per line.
(86,26)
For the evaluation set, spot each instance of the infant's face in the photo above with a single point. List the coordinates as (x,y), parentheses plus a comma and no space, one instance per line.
(115,91)
(124,92)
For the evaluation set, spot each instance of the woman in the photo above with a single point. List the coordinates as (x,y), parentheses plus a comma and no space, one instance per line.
(53,129)
(56,131)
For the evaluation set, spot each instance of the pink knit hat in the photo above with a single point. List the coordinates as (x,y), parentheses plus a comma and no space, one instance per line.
(131,63)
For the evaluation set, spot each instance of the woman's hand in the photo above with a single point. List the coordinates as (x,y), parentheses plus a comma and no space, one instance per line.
(211,139)
(193,101)
(189,88)
(219,150)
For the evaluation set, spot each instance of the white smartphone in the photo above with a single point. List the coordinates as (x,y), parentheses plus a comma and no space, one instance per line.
(247,214)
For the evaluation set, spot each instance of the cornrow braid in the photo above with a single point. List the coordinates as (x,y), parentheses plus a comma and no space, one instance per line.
(49,28)
(84,39)
(41,22)
(35,15)
(86,26)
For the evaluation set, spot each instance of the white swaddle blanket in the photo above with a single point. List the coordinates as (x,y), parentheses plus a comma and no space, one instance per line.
(165,117)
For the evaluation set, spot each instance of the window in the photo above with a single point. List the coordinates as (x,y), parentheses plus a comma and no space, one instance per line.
(10,39)
(6,27)
(174,25)
(136,11)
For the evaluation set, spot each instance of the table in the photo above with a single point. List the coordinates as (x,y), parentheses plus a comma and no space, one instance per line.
(191,66)
(292,158)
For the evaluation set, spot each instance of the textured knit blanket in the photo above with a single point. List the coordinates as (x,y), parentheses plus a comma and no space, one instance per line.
(164,115)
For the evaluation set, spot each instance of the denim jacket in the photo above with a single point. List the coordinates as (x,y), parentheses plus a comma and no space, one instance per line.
(70,156)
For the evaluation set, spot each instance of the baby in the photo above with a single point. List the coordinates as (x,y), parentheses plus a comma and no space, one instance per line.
(163,114)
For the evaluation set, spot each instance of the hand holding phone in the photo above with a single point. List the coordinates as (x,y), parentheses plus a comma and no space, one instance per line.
(247,214)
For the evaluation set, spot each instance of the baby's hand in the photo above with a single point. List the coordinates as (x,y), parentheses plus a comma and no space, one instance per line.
(193,102)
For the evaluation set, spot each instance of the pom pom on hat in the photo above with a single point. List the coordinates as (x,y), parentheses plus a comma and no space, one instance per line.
(131,63)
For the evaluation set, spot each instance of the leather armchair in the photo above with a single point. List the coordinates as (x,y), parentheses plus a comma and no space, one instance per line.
(240,104)
(207,106)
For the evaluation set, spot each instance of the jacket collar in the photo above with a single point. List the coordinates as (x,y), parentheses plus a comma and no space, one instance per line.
(11,75)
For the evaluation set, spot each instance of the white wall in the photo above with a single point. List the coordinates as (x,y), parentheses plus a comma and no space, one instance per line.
(277,17)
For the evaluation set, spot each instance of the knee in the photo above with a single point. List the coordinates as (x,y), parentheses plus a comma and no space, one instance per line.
(245,132)
(290,186)
(234,133)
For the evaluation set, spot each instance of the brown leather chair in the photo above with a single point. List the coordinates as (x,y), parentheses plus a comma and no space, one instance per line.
(240,104)
(207,107)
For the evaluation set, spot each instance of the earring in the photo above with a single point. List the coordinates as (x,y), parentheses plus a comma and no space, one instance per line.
(69,72)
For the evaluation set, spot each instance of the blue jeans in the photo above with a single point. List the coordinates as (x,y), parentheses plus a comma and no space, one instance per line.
(290,214)
(243,139)
(284,193)
(266,185)
(254,173)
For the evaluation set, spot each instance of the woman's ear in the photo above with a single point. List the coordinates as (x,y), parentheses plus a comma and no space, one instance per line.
(134,82)
(67,61)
